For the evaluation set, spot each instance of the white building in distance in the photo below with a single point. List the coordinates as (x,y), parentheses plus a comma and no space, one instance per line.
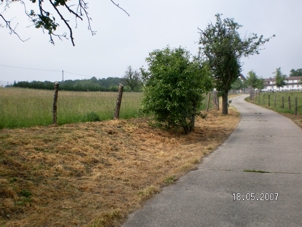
(291,84)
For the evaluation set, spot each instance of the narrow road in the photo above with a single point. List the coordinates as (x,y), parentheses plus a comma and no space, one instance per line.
(253,179)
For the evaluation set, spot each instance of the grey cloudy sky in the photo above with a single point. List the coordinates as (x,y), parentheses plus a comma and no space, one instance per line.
(153,24)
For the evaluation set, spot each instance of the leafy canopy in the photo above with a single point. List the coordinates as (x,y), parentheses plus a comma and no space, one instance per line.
(254,81)
(174,85)
(297,72)
(260,84)
(133,79)
(239,84)
(223,47)
(280,78)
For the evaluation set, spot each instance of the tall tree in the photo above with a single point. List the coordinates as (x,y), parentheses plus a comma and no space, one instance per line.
(174,85)
(260,84)
(280,78)
(223,47)
(46,20)
(132,79)
(252,79)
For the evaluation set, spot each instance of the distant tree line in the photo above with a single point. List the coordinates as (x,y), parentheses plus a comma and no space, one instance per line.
(93,84)
(294,72)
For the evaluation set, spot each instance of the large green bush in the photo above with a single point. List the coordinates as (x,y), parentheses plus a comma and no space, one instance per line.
(174,87)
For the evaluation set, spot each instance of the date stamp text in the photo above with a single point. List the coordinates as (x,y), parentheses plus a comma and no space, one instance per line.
(251,196)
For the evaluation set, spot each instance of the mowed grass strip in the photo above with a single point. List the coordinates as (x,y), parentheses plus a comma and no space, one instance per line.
(96,173)
(262,100)
(30,107)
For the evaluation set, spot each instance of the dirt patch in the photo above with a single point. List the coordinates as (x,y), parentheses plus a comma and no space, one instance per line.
(95,174)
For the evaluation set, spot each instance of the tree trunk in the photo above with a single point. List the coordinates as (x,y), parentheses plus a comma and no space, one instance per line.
(189,127)
(216,99)
(225,103)
(208,102)
(251,93)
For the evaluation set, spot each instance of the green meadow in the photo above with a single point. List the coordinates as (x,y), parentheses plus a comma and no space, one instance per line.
(29,107)
(268,100)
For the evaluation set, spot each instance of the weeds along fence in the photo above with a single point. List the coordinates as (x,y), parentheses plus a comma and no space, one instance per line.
(285,102)
(92,116)
(21,107)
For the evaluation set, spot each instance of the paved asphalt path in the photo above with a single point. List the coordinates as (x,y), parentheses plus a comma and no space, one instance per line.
(263,141)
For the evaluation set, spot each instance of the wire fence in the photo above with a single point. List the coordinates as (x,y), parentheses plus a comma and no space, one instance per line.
(286,102)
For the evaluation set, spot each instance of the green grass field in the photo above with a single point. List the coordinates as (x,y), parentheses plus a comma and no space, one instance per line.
(29,107)
(263,100)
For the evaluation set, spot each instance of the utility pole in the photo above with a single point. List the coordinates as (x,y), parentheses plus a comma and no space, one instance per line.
(62,75)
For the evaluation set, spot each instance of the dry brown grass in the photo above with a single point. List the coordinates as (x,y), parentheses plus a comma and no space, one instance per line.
(95,174)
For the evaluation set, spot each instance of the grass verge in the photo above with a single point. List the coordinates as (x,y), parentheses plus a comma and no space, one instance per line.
(96,173)
(263,101)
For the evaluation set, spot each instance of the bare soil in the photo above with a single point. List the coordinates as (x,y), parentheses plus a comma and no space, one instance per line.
(95,174)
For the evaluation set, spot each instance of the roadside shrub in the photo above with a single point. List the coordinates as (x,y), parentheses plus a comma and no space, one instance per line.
(174,87)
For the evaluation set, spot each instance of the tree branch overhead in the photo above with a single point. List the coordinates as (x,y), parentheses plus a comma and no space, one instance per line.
(47,21)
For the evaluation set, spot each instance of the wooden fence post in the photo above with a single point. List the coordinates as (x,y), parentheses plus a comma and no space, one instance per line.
(282,106)
(255,96)
(263,99)
(118,102)
(217,102)
(296,106)
(289,104)
(269,99)
(216,99)
(208,102)
(54,106)
(251,94)
(275,101)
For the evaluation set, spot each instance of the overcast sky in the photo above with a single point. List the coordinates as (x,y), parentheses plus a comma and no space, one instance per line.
(121,41)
